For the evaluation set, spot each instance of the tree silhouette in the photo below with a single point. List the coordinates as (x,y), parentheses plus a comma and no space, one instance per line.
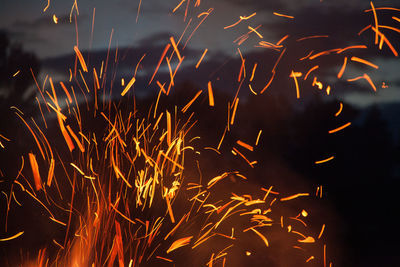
(16,69)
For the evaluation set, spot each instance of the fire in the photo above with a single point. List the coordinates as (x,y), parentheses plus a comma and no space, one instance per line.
(125,192)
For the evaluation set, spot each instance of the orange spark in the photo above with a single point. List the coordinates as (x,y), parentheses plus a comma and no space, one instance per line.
(322,231)
(55,19)
(210,95)
(240,19)
(261,235)
(340,74)
(175,48)
(376,23)
(35,171)
(340,109)
(352,47)
(81,59)
(310,258)
(312,37)
(254,70)
(234,111)
(173,11)
(47,6)
(179,243)
(162,258)
(50,173)
(283,15)
(295,196)
(309,71)
(243,144)
(324,160)
(12,237)
(160,61)
(363,61)
(169,128)
(128,86)
(185,108)
(283,39)
(201,58)
(308,239)
(255,31)
(340,128)
(294,75)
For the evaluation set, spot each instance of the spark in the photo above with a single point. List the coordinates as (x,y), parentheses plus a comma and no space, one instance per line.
(340,74)
(324,160)
(283,15)
(363,61)
(80,57)
(295,196)
(240,20)
(201,58)
(128,86)
(179,243)
(12,237)
(210,94)
(340,109)
(340,128)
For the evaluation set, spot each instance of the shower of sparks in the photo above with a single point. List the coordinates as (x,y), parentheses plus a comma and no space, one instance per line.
(123,194)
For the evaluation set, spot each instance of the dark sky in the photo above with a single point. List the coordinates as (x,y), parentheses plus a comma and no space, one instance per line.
(27,23)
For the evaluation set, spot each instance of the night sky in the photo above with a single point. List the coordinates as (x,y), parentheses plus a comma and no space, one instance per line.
(368,156)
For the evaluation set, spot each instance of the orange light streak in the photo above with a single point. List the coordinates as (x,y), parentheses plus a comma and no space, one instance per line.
(312,37)
(241,155)
(309,71)
(243,144)
(340,128)
(35,171)
(185,108)
(352,47)
(81,147)
(81,59)
(173,11)
(283,15)
(66,92)
(295,196)
(283,39)
(179,243)
(202,56)
(255,31)
(340,74)
(363,61)
(384,39)
(376,23)
(50,173)
(240,20)
(160,61)
(210,95)
(175,48)
(324,160)
(253,72)
(340,109)
(128,86)
(322,231)
(294,75)
(12,237)
(234,111)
